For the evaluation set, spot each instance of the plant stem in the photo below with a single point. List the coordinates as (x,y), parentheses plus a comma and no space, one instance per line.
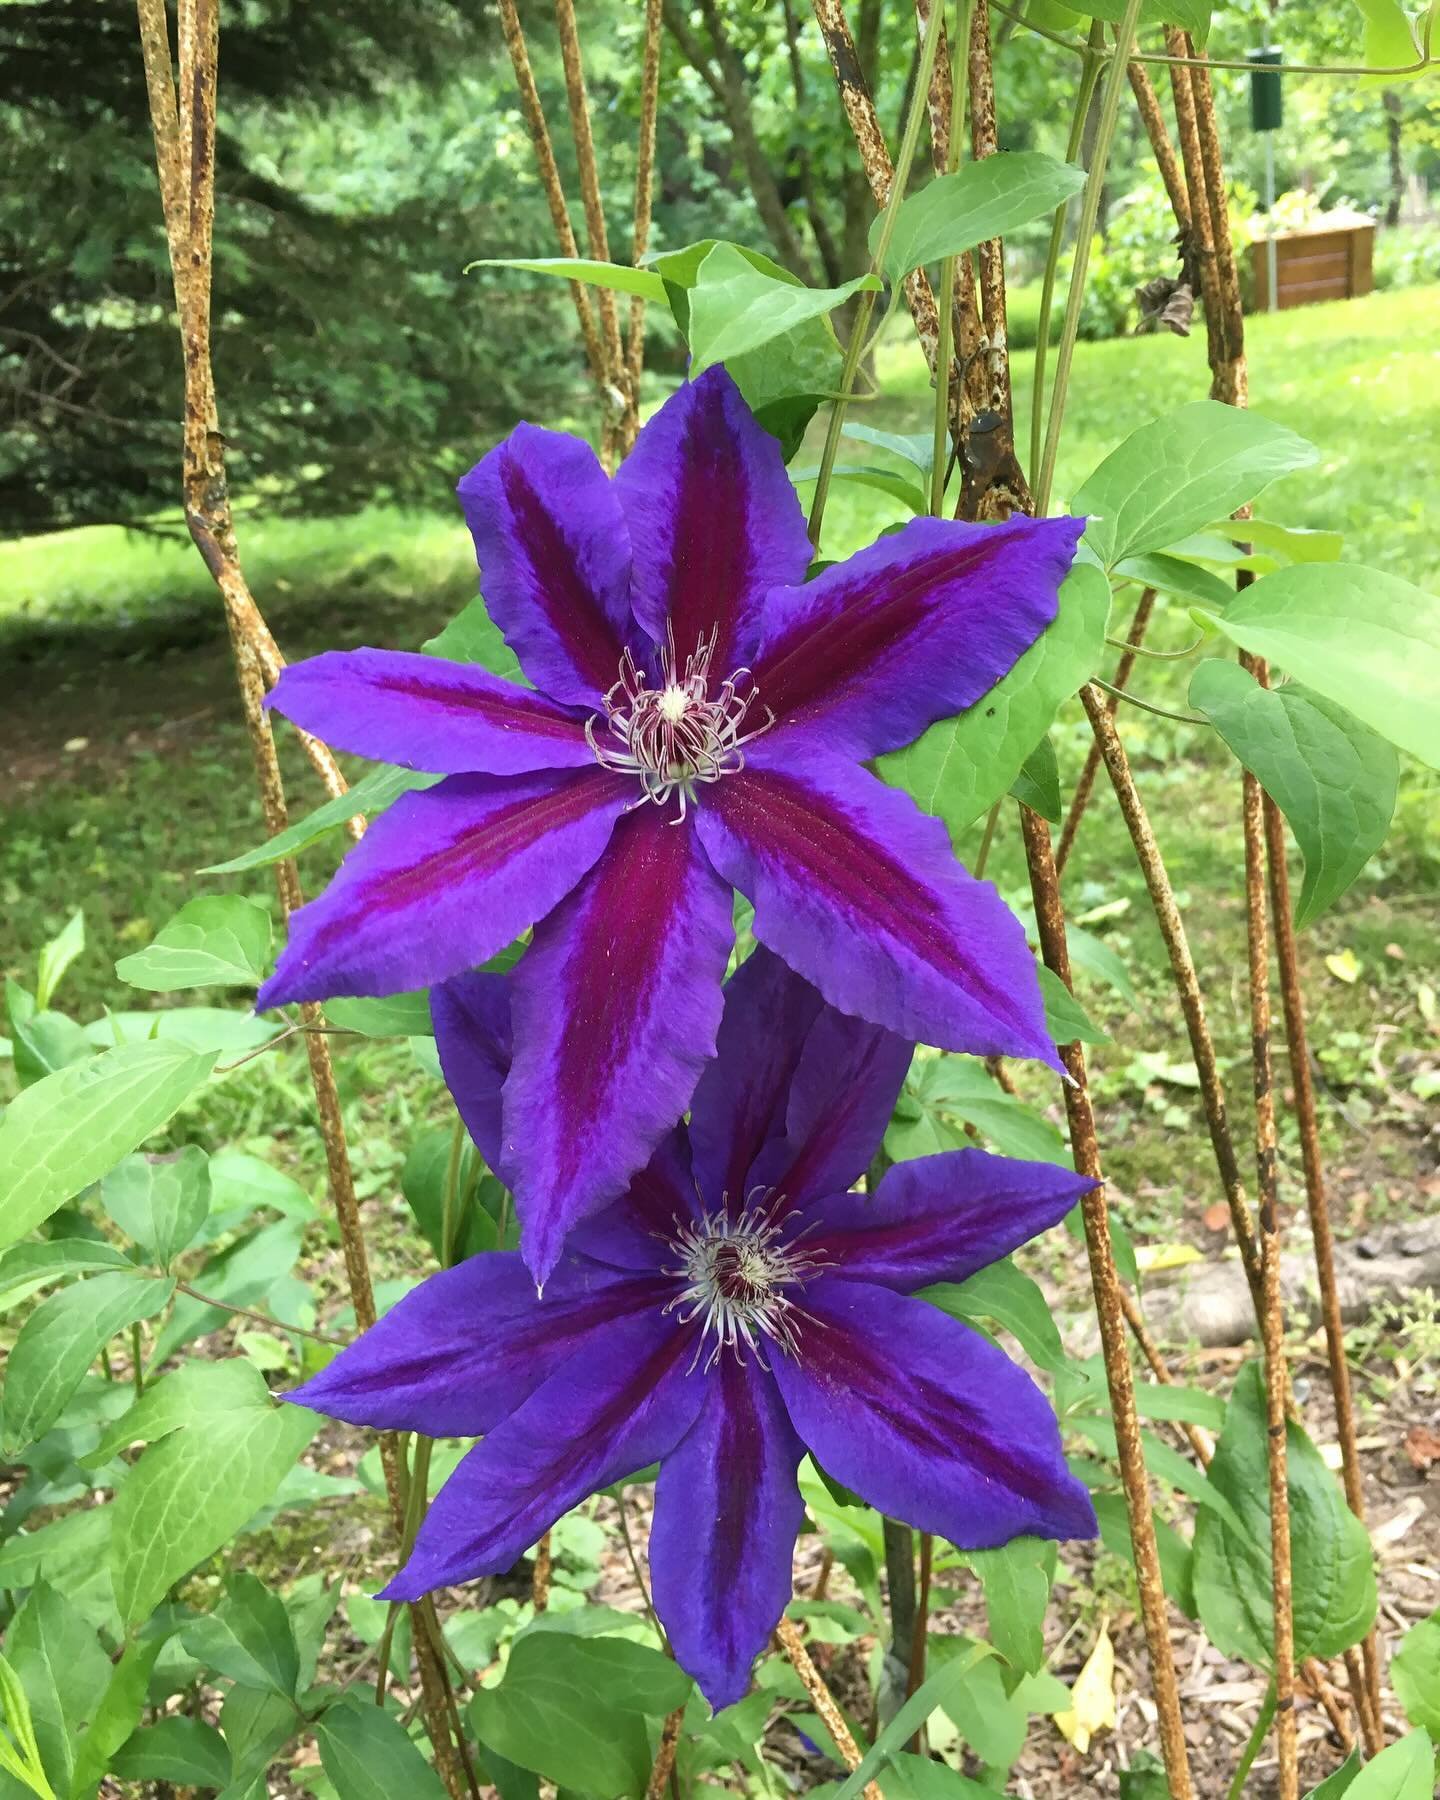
(856,347)
(1089,212)
(1252,1748)
(1050,923)
(987,838)
(1089,75)
(137,1360)
(1138,625)
(821,1698)
(247,1312)
(450,1203)
(945,355)
(1160,712)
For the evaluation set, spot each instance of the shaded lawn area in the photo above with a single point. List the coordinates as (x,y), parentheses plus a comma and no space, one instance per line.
(128,769)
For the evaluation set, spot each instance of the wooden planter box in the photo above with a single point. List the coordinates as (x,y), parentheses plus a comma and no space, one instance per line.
(1331,260)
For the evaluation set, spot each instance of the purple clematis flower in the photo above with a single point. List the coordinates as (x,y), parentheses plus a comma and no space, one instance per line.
(697,722)
(737,1307)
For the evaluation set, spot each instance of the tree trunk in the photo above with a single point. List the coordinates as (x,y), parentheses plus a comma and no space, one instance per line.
(1394,109)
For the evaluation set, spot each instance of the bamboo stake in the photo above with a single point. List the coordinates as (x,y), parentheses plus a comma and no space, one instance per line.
(1109,1310)
(183,126)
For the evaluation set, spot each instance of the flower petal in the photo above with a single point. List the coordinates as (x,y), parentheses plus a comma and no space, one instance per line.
(740,1100)
(857,889)
(462,1351)
(633,1232)
(471,1016)
(844,1090)
(614,1407)
(927,1420)
(941,1218)
(713,519)
(914,629)
(554,560)
(426,713)
(616,1005)
(446,878)
(727,1511)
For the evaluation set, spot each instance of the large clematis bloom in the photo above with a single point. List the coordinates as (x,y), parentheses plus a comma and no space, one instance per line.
(735,1308)
(697,722)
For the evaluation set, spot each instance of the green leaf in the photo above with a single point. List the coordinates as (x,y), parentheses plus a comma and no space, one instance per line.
(960,1085)
(1174,575)
(884,481)
(1177,473)
(22,1758)
(961,765)
(1016,1579)
(175,1749)
(257,1727)
(1169,1400)
(982,200)
(218,940)
(192,1491)
(918,449)
(735,307)
(422,1181)
(198,1028)
(644,282)
(369,1755)
(472,636)
(1038,783)
(159,1201)
(1065,1018)
(1004,1295)
(1333,1579)
(247,1637)
(58,1661)
(117,1714)
(1144,1779)
(1340,1782)
(31,1266)
(393,1015)
(574,1709)
(1389,40)
(1415,1674)
(194,1394)
(238,1180)
(66,1131)
(1294,543)
(43,1041)
(1333,778)
(371,795)
(56,958)
(241,1277)
(1406,1771)
(936,1691)
(1366,640)
(60,1340)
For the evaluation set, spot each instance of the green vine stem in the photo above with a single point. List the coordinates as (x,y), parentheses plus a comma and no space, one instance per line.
(1089,75)
(1252,1749)
(1115,77)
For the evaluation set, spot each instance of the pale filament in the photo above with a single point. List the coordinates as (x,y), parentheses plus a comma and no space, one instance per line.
(739,1272)
(674,736)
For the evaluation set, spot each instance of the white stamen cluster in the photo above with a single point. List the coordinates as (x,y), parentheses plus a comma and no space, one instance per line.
(675,735)
(737,1270)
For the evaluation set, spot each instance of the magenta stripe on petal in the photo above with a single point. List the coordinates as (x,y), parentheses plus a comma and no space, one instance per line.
(554,560)
(916,628)
(858,891)
(714,521)
(727,1511)
(615,1008)
(446,879)
(425,713)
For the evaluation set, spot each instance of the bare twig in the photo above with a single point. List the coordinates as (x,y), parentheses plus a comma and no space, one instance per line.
(1187,982)
(665,1754)
(822,1699)
(1105,1283)
(1148,103)
(540,1579)
(1139,624)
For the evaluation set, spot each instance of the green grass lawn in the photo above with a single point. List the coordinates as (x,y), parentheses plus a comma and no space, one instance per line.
(128,770)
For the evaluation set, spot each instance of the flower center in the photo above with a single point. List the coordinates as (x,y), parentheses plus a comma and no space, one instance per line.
(676,735)
(739,1274)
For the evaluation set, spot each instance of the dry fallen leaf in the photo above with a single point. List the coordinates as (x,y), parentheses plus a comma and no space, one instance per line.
(1422,1446)
(1093,1695)
(1344,966)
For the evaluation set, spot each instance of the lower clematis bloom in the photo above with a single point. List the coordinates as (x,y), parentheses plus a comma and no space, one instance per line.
(698,722)
(737,1307)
